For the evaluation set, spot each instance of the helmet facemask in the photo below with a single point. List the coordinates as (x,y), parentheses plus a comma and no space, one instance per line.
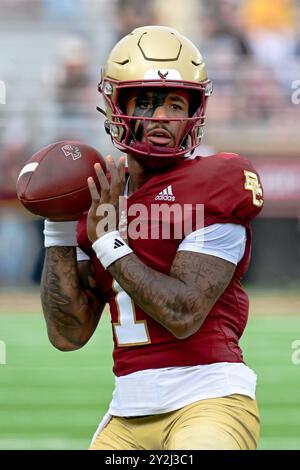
(127,131)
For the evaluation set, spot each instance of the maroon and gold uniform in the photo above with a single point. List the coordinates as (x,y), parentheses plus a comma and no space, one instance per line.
(229,188)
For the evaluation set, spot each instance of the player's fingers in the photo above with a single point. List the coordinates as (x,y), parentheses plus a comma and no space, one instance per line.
(121,172)
(105,186)
(121,169)
(115,180)
(95,196)
(112,170)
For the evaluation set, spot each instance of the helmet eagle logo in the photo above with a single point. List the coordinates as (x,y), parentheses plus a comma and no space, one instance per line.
(163,75)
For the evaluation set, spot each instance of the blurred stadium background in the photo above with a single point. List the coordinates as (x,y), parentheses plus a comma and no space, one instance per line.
(51,54)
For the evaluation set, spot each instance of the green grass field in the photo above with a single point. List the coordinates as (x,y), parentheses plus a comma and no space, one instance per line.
(54,400)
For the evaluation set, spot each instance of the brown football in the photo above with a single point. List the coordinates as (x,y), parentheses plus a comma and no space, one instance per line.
(53,183)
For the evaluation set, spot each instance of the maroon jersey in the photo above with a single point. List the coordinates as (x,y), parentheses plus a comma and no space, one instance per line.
(229,188)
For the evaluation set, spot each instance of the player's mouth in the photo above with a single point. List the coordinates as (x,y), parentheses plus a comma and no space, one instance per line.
(159,137)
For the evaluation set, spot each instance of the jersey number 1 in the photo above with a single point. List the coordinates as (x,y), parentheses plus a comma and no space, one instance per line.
(128,331)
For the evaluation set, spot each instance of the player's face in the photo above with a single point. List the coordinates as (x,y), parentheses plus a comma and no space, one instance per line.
(164,105)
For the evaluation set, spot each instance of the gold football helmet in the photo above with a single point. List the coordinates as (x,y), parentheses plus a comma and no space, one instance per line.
(154,57)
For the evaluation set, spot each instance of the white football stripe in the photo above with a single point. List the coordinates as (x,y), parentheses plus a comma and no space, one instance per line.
(30,167)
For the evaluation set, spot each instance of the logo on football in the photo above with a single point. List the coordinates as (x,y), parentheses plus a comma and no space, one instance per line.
(71,150)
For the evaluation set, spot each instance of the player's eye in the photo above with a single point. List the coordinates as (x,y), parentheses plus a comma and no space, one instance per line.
(177,106)
(142,103)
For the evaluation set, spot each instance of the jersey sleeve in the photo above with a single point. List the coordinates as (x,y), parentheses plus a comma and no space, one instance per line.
(234,191)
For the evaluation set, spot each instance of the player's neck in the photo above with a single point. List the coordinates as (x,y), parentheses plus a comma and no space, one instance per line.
(138,174)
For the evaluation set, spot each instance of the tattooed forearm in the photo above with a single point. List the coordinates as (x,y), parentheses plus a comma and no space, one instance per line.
(70,312)
(181,301)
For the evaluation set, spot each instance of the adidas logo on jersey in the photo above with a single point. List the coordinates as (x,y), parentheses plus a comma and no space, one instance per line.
(118,243)
(165,195)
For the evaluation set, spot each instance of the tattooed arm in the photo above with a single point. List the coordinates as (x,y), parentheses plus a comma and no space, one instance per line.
(180,302)
(72,305)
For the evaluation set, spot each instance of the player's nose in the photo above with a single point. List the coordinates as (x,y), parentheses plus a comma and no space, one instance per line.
(161,112)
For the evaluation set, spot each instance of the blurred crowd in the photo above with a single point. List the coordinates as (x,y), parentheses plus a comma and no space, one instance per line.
(52,52)
(253,49)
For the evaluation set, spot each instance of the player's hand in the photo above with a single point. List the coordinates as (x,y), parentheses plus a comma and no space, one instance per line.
(103,215)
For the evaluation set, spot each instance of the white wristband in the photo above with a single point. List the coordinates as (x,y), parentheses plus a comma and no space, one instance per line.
(110,247)
(60,233)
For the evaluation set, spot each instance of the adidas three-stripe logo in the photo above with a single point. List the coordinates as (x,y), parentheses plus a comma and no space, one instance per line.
(165,195)
(118,243)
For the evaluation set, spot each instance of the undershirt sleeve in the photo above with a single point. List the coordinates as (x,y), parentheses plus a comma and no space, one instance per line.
(227,241)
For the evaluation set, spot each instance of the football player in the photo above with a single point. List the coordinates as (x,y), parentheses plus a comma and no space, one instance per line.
(177,305)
